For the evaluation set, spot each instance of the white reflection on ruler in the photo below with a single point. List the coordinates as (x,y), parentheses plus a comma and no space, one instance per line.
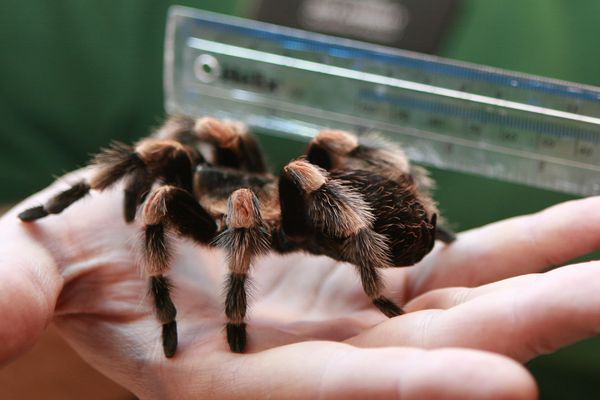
(276,59)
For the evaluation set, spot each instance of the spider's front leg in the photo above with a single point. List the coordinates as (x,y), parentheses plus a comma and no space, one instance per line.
(334,220)
(170,208)
(139,165)
(246,237)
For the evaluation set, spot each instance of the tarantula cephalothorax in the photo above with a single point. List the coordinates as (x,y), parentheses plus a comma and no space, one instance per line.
(358,201)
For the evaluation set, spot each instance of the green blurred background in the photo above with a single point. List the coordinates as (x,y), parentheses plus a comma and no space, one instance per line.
(75,74)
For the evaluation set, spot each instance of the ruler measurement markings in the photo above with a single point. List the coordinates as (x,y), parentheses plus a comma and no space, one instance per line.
(422,63)
(484,116)
(547,143)
(282,61)
(314,113)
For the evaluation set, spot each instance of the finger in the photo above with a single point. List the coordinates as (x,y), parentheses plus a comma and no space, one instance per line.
(513,247)
(29,287)
(329,370)
(522,317)
(445,298)
(33,260)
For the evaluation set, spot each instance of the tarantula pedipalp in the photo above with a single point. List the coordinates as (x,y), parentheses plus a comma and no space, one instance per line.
(357,201)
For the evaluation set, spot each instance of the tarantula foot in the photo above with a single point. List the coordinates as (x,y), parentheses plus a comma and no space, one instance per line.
(33,213)
(388,307)
(169,337)
(444,234)
(236,337)
(57,203)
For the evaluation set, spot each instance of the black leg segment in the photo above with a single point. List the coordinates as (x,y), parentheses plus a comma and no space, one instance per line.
(236,304)
(169,338)
(33,213)
(137,186)
(246,237)
(236,336)
(57,203)
(388,307)
(444,234)
(160,288)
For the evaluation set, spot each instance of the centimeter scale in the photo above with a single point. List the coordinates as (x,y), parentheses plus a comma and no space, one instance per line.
(452,115)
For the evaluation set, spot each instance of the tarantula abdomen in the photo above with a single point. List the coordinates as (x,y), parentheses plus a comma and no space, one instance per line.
(399,216)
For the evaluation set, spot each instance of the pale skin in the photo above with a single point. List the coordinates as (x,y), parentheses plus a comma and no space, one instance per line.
(477,309)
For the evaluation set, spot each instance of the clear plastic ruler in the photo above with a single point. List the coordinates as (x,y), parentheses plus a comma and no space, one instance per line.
(448,114)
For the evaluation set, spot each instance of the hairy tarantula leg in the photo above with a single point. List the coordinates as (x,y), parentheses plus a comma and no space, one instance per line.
(246,237)
(332,149)
(114,163)
(149,160)
(329,146)
(166,312)
(169,160)
(177,127)
(235,146)
(170,208)
(334,209)
(372,285)
(173,208)
(57,203)
(137,186)
(340,213)
(369,251)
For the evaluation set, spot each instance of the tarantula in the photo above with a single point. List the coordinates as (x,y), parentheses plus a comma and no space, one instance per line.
(354,200)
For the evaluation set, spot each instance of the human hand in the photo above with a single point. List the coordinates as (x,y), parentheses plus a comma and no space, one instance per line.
(311,329)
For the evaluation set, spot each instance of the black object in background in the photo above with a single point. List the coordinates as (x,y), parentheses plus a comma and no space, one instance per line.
(417,25)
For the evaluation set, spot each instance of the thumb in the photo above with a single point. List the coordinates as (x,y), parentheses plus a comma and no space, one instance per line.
(29,287)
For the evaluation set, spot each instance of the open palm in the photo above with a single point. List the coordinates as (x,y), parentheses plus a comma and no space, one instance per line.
(312,331)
